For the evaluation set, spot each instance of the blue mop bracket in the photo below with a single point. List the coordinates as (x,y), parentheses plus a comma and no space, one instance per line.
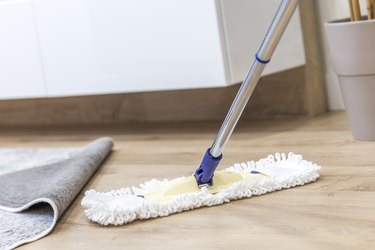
(205,173)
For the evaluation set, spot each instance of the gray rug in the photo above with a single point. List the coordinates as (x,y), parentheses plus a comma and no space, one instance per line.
(38,184)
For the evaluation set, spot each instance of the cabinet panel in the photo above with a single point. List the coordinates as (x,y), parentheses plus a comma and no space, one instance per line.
(113,46)
(21,73)
(244,24)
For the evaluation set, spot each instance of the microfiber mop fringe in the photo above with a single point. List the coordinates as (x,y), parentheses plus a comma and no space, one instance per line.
(125,205)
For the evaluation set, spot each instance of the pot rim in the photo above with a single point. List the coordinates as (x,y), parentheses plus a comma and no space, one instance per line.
(346,21)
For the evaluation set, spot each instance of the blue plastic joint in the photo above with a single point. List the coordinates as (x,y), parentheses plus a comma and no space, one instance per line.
(260,60)
(205,173)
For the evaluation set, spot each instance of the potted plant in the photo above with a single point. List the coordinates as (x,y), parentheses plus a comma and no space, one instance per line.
(352,46)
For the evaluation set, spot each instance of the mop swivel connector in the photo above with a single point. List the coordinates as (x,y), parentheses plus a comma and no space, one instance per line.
(205,173)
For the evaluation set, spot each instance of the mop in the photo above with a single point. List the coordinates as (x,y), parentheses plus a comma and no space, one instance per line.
(207,187)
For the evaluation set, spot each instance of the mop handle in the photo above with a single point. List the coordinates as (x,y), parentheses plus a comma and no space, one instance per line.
(268,46)
(204,173)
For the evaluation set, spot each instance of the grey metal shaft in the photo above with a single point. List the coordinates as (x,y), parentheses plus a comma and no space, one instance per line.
(268,46)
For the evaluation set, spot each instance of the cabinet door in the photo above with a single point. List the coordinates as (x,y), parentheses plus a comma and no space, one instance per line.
(109,46)
(20,63)
(245,23)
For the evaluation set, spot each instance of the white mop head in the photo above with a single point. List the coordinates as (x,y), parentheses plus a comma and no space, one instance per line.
(161,198)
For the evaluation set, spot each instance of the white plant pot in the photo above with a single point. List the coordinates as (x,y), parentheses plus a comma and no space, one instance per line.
(352,47)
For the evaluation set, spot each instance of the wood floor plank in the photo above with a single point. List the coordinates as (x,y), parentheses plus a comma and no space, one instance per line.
(336,212)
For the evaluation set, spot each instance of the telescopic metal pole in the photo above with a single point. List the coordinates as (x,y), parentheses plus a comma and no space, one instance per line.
(213,155)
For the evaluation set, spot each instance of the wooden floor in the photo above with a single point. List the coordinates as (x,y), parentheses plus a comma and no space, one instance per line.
(336,212)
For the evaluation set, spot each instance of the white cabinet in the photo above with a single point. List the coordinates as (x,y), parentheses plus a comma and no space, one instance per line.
(21,72)
(109,46)
(116,46)
(245,23)
(112,46)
